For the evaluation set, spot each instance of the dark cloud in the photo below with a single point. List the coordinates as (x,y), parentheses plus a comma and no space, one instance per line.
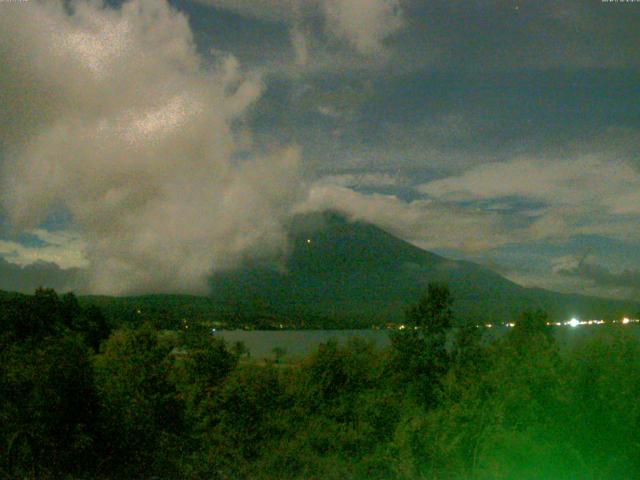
(26,279)
(602,276)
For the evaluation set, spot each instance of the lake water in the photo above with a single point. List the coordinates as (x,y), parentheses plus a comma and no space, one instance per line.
(302,342)
(296,342)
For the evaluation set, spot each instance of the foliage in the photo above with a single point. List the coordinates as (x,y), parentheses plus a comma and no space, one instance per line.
(419,353)
(48,405)
(441,402)
(140,407)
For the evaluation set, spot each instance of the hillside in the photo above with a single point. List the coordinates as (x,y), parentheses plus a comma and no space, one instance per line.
(342,274)
(354,270)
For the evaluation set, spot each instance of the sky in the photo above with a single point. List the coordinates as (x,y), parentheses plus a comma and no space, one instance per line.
(145,144)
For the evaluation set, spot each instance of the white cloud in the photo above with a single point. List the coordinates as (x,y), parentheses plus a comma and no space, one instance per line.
(588,193)
(486,206)
(425,223)
(364,24)
(109,113)
(576,181)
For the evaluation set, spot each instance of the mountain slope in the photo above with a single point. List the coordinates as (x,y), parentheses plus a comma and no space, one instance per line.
(344,274)
(353,270)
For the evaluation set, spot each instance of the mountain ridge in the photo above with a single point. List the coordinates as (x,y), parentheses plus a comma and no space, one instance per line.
(339,267)
(342,274)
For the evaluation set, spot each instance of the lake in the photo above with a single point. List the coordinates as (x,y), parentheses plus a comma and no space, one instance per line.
(301,342)
(296,342)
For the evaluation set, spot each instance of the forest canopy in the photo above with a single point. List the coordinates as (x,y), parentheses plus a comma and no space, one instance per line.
(85,399)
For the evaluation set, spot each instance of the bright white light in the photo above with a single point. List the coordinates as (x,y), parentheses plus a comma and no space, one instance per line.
(625,320)
(308,240)
(574,322)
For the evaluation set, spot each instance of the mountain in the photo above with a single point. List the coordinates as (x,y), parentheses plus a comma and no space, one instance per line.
(343,274)
(357,272)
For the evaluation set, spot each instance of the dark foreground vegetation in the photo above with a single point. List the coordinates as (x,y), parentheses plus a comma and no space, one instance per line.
(81,400)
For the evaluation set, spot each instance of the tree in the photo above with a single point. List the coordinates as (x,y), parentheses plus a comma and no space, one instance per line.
(89,321)
(603,373)
(141,408)
(419,353)
(94,327)
(47,407)
(203,362)
(532,324)
(433,311)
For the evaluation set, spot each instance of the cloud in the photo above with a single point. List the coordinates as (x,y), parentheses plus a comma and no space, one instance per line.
(27,278)
(586,193)
(559,181)
(363,180)
(425,223)
(626,281)
(111,115)
(364,25)
(65,249)
(477,38)
(497,204)
(271,10)
(300,46)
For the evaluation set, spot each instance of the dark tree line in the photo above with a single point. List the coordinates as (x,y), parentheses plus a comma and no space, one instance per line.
(82,401)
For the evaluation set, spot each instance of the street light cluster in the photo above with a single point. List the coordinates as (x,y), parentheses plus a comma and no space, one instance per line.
(574,322)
